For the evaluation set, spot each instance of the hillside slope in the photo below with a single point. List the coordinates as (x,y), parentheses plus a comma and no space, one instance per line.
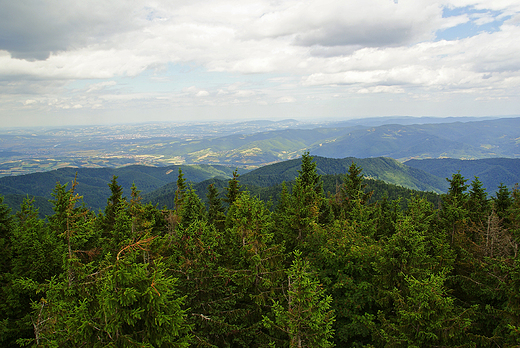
(490,171)
(381,168)
(93,182)
(265,181)
(463,140)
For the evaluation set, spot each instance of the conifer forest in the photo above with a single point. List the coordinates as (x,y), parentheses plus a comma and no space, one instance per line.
(314,270)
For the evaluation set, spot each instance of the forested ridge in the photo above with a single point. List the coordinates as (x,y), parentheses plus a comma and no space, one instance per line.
(316,270)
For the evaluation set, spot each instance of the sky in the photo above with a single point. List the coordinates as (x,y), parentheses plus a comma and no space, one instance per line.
(106,62)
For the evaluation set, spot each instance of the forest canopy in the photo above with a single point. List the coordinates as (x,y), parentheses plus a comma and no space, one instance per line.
(346,268)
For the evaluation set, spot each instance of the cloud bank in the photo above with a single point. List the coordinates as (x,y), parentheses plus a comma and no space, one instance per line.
(158,54)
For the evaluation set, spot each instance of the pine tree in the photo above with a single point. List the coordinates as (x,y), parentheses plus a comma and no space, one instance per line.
(454,211)
(8,329)
(195,258)
(180,192)
(416,310)
(300,212)
(255,263)
(36,257)
(127,301)
(192,209)
(305,316)
(6,230)
(115,202)
(425,316)
(343,258)
(502,201)
(216,215)
(478,204)
(352,192)
(233,189)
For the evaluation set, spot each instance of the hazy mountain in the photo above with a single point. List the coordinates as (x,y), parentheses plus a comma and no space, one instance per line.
(385,176)
(463,140)
(256,143)
(381,168)
(490,171)
(93,182)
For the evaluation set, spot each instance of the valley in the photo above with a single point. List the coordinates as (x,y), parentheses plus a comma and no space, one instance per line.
(253,144)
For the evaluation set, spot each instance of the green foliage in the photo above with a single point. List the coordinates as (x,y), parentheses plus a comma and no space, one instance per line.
(216,215)
(351,194)
(392,268)
(425,316)
(192,209)
(124,303)
(502,201)
(478,204)
(343,259)
(36,257)
(299,212)
(233,189)
(6,228)
(305,316)
(180,192)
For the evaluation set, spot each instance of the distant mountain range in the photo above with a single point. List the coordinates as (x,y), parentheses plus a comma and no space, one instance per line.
(158,182)
(490,171)
(255,144)
(462,140)
(93,182)
(431,150)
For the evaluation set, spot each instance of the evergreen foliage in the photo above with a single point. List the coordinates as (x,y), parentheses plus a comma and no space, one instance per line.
(352,268)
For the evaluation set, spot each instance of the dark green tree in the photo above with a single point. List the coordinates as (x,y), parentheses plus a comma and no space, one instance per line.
(299,213)
(502,201)
(36,257)
(352,192)
(216,215)
(343,259)
(115,202)
(192,209)
(233,189)
(478,203)
(454,213)
(305,315)
(180,192)
(256,265)
(6,229)
(416,309)
(128,301)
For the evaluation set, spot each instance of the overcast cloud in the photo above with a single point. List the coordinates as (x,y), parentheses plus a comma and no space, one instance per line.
(65,62)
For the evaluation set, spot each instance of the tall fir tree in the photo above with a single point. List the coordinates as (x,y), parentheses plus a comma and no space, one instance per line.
(300,211)
(216,215)
(233,189)
(180,192)
(305,315)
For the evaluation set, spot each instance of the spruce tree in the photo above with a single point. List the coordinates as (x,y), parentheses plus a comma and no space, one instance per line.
(180,192)
(478,203)
(305,315)
(502,201)
(216,215)
(302,208)
(233,189)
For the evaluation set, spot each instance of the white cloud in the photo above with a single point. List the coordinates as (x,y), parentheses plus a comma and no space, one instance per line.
(202,94)
(349,46)
(99,86)
(286,99)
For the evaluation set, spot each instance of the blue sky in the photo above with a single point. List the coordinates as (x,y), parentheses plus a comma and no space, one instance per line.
(99,62)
